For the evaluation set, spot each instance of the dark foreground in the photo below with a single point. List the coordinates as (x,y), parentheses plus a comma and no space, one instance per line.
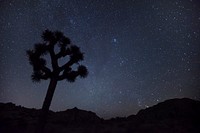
(171,116)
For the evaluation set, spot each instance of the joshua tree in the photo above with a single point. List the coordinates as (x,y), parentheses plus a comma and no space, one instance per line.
(52,40)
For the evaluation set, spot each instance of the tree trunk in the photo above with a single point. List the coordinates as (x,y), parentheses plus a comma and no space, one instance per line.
(45,107)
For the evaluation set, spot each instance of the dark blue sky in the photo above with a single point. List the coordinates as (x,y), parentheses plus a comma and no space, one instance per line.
(138,52)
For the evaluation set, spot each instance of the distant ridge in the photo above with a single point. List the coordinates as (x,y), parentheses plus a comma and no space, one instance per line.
(170,116)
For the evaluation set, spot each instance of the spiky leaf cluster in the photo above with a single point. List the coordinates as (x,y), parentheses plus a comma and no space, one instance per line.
(40,70)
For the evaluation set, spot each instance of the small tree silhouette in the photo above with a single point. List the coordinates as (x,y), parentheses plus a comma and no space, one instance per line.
(56,73)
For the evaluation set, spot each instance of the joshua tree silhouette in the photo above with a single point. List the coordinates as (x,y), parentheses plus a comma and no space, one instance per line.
(55,73)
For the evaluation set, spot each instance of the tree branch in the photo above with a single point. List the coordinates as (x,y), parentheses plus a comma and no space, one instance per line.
(46,70)
(63,53)
(54,60)
(45,77)
(61,77)
(66,65)
(70,76)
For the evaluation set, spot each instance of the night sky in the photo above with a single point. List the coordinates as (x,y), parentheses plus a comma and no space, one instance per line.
(138,52)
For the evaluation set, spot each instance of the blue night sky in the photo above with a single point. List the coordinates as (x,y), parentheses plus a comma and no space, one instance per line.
(138,52)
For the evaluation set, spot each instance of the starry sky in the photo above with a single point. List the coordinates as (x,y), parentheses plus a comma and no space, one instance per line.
(138,52)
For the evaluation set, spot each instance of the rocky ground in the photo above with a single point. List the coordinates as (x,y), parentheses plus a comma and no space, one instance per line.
(171,116)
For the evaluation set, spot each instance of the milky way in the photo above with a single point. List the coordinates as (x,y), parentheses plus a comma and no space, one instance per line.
(138,52)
